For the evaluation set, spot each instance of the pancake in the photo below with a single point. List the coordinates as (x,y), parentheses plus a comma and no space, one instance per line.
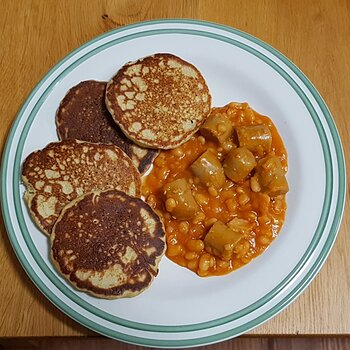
(158,101)
(63,171)
(108,244)
(82,115)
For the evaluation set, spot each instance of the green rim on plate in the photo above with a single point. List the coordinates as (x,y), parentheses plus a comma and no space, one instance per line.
(204,325)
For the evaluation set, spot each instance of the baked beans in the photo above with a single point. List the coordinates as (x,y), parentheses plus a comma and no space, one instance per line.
(246,201)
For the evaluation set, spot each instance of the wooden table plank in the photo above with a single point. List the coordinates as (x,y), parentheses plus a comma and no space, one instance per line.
(313,34)
(240,343)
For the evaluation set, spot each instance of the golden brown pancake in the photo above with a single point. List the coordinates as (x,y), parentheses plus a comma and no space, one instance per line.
(82,115)
(63,171)
(158,101)
(108,244)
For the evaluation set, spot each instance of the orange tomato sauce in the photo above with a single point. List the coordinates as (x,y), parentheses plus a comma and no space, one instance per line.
(185,244)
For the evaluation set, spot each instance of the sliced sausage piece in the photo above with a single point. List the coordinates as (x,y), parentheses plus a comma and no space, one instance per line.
(271,176)
(209,170)
(257,138)
(217,127)
(238,163)
(179,200)
(221,240)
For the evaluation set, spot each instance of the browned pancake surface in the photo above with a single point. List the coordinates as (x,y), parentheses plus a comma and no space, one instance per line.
(82,115)
(159,101)
(109,244)
(63,171)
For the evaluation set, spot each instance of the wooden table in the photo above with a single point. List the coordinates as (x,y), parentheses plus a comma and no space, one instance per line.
(313,34)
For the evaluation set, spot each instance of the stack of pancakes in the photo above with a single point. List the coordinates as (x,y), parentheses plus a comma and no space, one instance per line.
(84,190)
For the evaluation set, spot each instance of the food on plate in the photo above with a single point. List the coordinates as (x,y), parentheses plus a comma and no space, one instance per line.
(217,128)
(221,240)
(158,101)
(179,200)
(233,175)
(208,169)
(238,163)
(108,244)
(256,138)
(270,176)
(82,115)
(63,171)
(214,200)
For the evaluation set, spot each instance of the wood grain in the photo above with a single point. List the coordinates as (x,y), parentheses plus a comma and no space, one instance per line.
(34,35)
(241,343)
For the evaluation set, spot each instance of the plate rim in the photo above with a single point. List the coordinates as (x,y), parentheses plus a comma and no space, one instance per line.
(334,137)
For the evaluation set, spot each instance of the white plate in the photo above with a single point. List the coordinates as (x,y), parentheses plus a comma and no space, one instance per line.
(181,309)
